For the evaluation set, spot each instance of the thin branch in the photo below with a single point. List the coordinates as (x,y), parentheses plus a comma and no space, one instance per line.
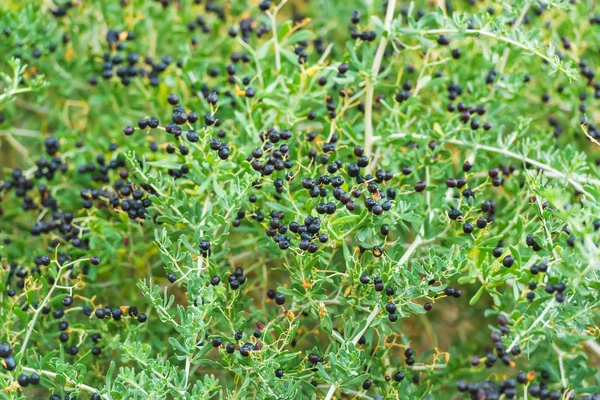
(53,375)
(575,180)
(497,37)
(370,86)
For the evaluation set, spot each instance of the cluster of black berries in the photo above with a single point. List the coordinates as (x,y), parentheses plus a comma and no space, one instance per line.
(557,289)
(8,362)
(404,94)
(63,223)
(409,355)
(200,23)
(236,279)
(68,396)
(491,76)
(267,159)
(277,296)
(60,9)
(488,206)
(466,112)
(204,248)
(132,199)
(24,380)
(531,242)
(537,268)
(587,71)
(59,313)
(247,347)
(46,168)
(101,169)
(277,230)
(39,268)
(36,52)
(179,118)
(120,312)
(488,390)
(221,148)
(508,388)
(367,36)
(501,351)
(452,292)
(19,272)
(246,26)
(592,129)
(125,66)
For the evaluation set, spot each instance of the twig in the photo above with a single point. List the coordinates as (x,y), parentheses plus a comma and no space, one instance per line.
(575,180)
(584,128)
(497,37)
(370,319)
(272,16)
(533,325)
(53,375)
(331,392)
(592,345)
(41,306)
(561,366)
(370,86)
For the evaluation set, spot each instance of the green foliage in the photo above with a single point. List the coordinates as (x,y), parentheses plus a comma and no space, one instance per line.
(535,179)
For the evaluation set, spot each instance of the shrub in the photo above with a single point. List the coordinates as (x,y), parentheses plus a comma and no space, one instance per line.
(287,199)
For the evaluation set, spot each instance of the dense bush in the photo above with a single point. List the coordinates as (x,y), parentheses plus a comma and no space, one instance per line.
(299,199)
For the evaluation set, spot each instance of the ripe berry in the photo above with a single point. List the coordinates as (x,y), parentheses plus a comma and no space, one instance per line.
(23,380)
(279,298)
(508,261)
(34,379)
(390,308)
(9,363)
(314,359)
(67,301)
(129,130)
(264,5)
(443,40)
(468,227)
(5,350)
(173,99)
